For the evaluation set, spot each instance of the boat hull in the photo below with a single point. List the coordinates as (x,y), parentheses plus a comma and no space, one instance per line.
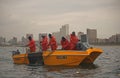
(20,59)
(66,58)
(59,57)
(93,54)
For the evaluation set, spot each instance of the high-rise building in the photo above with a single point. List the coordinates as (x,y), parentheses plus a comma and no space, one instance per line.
(92,35)
(115,38)
(64,31)
(57,36)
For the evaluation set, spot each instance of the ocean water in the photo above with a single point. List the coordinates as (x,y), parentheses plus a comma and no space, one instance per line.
(107,65)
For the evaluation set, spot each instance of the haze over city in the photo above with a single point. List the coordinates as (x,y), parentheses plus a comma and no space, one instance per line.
(19,17)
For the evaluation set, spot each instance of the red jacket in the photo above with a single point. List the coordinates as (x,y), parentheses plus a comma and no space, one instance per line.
(53,43)
(72,46)
(32,46)
(65,44)
(44,44)
(73,40)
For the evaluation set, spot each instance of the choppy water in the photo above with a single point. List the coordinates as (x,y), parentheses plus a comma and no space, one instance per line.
(107,65)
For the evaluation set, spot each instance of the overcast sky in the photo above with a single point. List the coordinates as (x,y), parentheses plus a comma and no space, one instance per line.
(18,17)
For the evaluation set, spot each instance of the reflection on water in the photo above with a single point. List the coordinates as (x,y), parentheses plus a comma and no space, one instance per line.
(107,65)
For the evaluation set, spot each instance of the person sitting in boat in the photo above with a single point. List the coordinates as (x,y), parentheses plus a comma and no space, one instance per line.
(44,43)
(65,44)
(73,40)
(52,42)
(31,44)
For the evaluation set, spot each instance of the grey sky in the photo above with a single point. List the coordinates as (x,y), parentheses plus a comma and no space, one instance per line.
(18,17)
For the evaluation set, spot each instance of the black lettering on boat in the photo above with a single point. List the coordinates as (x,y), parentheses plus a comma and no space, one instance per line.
(61,57)
(17,59)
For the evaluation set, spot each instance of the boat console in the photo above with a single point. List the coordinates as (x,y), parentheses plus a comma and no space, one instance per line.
(82,43)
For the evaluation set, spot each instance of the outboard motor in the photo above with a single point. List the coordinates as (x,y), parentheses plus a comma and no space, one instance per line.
(15,52)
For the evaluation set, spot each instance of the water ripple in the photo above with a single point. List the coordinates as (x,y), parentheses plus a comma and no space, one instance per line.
(107,65)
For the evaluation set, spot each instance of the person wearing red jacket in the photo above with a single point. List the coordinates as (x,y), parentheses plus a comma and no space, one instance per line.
(44,43)
(73,40)
(52,42)
(65,44)
(72,47)
(31,44)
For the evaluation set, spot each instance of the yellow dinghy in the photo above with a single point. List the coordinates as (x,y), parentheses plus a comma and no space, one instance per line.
(58,57)
(83,54)
(71,57)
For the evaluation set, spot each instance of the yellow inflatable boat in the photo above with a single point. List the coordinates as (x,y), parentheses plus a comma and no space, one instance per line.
(83,54)
(58,57)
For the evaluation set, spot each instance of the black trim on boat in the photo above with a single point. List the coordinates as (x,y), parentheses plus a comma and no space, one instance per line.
(35,58)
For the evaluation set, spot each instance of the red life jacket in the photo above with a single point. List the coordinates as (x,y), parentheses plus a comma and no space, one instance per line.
(65,44)
(32,46)
(73,40)
(53,43)
(72,46)
(44,44)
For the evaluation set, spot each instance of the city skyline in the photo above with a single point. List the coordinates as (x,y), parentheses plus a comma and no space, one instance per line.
(64,31)
(19,17)
(36,36)
(91,33)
